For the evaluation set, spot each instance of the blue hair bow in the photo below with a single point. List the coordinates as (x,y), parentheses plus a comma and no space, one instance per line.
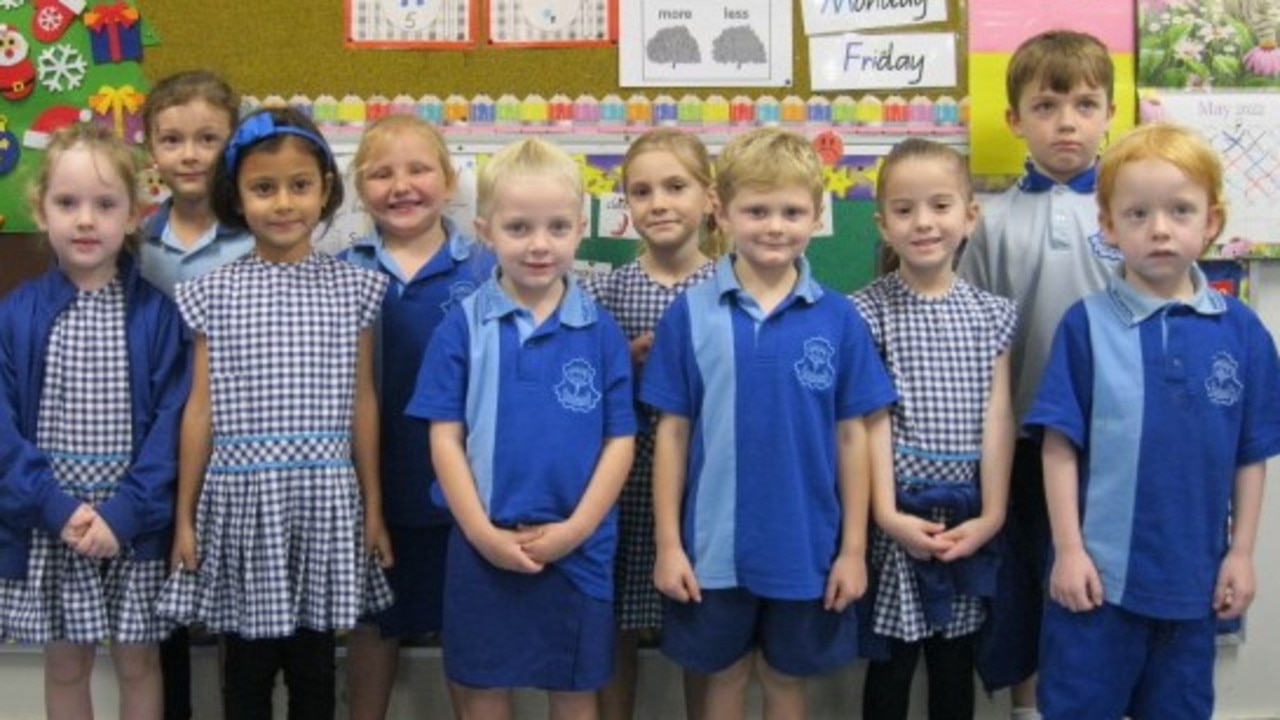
(261,126)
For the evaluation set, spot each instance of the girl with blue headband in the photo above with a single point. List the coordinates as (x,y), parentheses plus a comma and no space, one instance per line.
(279,538)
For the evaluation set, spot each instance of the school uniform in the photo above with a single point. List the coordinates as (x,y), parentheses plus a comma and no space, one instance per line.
(94,385)
(637,301)
(412,309)
(279,522)
(1163,400)
(166,261)
(538,404)
(762,511)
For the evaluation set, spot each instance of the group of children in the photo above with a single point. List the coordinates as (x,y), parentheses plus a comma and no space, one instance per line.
(431,433)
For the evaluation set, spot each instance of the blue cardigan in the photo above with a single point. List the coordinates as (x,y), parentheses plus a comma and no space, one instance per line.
(141,511)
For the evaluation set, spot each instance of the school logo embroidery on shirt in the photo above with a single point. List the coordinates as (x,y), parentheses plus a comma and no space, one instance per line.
(1102,250)
(577,391)
(1223,385)
(457,293)
(814,370)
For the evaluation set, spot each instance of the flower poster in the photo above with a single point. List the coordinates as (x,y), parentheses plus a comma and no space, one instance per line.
(1193,44)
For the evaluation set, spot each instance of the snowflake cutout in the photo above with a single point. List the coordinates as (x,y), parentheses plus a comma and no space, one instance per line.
(11,4)
(61,68)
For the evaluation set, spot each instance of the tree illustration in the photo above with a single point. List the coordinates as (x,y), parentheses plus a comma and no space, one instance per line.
(738,45)
(673,45)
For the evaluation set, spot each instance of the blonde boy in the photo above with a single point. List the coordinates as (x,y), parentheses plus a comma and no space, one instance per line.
(763,378)
(527,385)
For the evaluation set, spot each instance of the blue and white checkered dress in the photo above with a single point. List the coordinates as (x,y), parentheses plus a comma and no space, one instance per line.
(84,429)
(637,302)
(279,523)
(941,353)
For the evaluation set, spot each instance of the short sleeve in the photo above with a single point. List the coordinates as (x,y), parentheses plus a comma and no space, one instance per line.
(869,302)
(665,383)
(1260,434)
(620,416)
(865,384)
(1063,401)
(440,392)
(192,298)
(1005,325)
(370,291)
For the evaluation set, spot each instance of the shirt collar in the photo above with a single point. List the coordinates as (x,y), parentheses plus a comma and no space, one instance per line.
(155,225)
(726,281)
(1135,306)
(460,246)
(1034,181)
(577,309)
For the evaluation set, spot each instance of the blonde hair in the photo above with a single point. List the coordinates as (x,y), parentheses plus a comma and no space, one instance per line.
(692,155)
(385,130)
(1059,60)
(531,157)
(107,149)
(1177,145)
(768,158)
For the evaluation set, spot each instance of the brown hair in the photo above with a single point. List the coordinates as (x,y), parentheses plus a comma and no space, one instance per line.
(184,87)
(1059,60)
(692,155)
(916,148)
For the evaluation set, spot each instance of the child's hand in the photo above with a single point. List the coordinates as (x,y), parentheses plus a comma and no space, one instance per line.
(98,541)
(1074,583)
(377,542)
(78,524)
(673,576)
(640,347)
(967,538)
(922,539)
(551,541)
(846,582)
(1236,586)
(183,554)
(504,548)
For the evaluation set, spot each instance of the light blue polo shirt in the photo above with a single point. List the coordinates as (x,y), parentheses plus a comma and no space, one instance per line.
(764,395)
(1164,400)
(537,410)
(1039,244)
(166,262)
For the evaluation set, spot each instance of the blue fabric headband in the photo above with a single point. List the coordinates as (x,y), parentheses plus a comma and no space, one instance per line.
(261,126)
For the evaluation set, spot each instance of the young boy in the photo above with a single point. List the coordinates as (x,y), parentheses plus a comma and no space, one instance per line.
(763,378)
(1039,245)
(527,385)
(1160,406)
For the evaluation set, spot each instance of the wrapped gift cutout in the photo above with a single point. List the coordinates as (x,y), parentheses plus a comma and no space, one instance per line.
(115,32)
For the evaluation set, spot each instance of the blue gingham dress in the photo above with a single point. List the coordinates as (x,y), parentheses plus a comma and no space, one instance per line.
(279,522)
(84,428)
(637,302)
(941,353)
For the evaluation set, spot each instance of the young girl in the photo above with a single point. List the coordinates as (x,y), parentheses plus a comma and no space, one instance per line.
(405,180)
(94,375)
(277,524)
(945,344)
(666,176)
(188,118)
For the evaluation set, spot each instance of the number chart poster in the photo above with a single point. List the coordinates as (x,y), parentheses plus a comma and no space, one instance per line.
(676,43)
(411,23)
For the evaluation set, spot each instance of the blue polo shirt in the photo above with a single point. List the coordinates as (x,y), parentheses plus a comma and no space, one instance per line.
(764,395)
(1164,400)
(165,261)
(538,404)
(412,309)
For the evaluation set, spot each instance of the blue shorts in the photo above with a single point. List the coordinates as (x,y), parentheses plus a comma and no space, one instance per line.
(1109,662)
(504,629)
(798,637)
(417,579)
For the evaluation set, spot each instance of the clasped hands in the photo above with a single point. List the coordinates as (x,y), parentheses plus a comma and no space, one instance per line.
(88,534)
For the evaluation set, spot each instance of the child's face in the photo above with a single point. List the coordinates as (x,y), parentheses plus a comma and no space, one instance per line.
(86,213)
(1063,130)
(534,229)
(404,186)
(185,141)
(1161,221)
(924,214)
(667,203)
(282,194)
(771,227)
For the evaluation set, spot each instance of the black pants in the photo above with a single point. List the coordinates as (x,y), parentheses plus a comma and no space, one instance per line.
(175,671)
(887,693)
(306,657)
